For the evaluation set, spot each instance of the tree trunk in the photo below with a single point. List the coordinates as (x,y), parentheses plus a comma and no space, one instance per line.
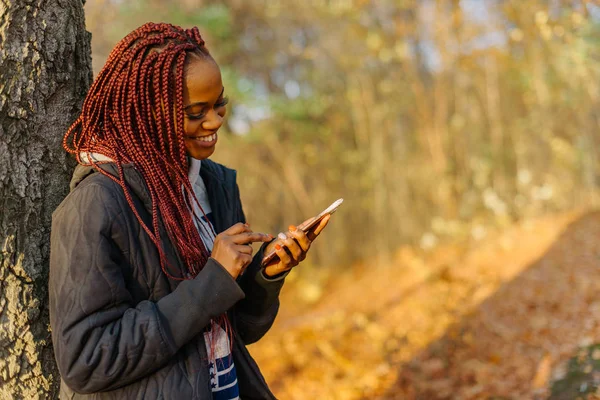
(45,71)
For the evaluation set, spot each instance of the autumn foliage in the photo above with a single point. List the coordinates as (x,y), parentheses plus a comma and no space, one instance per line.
(462,135)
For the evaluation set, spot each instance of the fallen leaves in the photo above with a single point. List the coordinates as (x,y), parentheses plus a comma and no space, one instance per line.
(542,375)
(480,323)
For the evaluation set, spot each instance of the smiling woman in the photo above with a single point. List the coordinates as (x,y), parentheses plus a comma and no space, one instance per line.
(154,288)
(204,107)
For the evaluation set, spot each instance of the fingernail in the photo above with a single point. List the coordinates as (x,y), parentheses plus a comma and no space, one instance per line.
(278,246)
(292,228)
(282,236)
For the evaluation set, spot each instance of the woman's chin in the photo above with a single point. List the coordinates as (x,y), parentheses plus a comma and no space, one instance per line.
(200,149)
(200,154)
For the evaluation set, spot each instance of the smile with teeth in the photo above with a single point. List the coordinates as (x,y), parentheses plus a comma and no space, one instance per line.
(208,138)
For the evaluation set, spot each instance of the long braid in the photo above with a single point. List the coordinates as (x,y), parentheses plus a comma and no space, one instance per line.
(127,117)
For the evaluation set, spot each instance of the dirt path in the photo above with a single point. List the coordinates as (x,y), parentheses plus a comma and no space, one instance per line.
(491,319)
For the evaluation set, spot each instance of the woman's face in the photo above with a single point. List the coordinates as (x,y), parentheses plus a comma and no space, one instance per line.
(204,107)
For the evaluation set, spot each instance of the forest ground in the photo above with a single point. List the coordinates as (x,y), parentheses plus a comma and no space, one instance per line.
(497,318)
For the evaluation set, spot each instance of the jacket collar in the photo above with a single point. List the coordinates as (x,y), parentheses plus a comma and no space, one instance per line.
(218,182)
(218,188)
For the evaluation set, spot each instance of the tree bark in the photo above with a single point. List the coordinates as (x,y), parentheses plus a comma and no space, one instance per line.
(45,71)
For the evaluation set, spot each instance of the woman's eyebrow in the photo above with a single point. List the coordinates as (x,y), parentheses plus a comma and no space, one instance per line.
(203,103)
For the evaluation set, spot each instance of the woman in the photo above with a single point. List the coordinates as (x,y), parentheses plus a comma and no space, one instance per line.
(154,292)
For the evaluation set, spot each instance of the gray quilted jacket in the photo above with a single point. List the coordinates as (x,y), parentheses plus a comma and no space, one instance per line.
(120,328)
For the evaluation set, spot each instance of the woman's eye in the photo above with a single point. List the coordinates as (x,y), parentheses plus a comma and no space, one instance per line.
(195,116)
(222,103)
(202,114)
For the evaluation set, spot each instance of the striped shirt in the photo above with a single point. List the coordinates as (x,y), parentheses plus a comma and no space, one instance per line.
(223,376)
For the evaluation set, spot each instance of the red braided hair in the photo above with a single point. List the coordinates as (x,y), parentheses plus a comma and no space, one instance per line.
(133,113)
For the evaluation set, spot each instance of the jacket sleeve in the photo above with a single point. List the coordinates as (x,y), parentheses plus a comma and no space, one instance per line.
(102,340)
(255,314)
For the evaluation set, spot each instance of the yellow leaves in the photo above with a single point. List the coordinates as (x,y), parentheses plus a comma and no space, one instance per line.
(564,151)
(310,292)
(495,358)
(559,31)
(328,351)
(339,7)
(577,18)
(310,53)
(374,41)
(545,32)
(542,374)
(500,324)
(402,49)
(541,18)
(272,9)
(386,55)
(516,34)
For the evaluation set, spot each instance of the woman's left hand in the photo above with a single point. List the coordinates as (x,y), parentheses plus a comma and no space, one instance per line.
(291,247)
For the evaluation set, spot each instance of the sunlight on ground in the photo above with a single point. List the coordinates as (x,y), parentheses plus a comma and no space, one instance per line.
(395,331)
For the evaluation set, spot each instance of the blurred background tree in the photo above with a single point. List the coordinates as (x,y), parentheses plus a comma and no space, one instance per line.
(433,119)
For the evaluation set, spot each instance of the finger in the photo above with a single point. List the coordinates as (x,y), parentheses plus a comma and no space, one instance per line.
(244,248)
(237,229)
(293,247)
(283,255)
(251,237)
(322,224)
(245,259)
(300,237)
(276,268)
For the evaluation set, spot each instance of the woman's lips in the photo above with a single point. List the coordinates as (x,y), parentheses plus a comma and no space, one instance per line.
(204,141)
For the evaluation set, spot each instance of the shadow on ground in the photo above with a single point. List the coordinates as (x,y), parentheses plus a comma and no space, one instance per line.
(518,340)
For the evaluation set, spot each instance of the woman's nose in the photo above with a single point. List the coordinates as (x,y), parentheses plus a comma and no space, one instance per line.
(213,121)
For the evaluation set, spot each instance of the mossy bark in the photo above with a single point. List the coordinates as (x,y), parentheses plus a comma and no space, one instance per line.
(45,71)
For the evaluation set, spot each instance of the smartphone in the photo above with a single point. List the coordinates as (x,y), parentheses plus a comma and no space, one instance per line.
(308,225)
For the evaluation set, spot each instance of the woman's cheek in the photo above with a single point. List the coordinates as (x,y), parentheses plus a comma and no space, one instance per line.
(186,127)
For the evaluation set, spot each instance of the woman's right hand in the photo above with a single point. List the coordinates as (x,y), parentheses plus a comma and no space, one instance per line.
(233,250)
